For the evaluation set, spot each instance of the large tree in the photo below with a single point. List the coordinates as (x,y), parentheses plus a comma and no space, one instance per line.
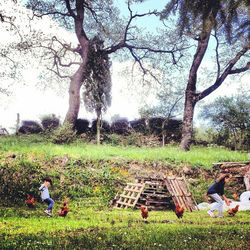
(226,20)
(88,18)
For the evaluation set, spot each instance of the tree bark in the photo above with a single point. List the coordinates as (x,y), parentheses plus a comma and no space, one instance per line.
(98,131)
(190,94)
(98,127)
(74,96)
(187,124)
(77,79)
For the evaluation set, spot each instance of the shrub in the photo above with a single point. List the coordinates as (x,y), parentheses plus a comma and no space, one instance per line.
(81,126)
(155,125)
(30,127)
(104,129)
(139,125)
(120,127)
(113,139)
(64,135)
(173,130)
(50,122)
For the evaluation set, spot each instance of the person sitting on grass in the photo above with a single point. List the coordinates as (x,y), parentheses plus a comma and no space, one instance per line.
(215,191)
(45,195)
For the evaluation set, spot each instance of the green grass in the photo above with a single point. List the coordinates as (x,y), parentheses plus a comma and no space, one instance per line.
(92,228)
(90,224)
(196,157)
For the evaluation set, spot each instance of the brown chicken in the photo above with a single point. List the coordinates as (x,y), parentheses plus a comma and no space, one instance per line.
(179,210)
(64,210)
(30,202)
(144,212)
(233,211)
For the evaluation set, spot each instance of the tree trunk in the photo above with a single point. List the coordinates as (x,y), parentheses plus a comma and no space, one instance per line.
(190,95)
(77,79)
(74,96)
(98,128)
(187,125)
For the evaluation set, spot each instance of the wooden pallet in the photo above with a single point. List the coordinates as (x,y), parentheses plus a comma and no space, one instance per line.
(180,193)
(130,195)
(155,196)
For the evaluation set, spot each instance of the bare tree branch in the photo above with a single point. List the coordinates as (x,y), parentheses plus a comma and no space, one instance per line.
(226,72)
(240,70)
(217,55)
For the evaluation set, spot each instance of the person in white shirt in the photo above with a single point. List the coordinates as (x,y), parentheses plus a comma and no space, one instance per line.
(45,195)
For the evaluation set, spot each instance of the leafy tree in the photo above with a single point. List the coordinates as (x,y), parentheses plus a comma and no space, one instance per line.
(87,19)
(97,96)
(228,22)
(231,117)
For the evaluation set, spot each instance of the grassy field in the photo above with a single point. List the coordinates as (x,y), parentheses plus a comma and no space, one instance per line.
(87,176)
(196,157)
(105,228)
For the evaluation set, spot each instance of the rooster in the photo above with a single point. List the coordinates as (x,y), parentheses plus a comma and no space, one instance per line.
(64,210)
(30,202)
(179,210)
(233,211)
(144,212)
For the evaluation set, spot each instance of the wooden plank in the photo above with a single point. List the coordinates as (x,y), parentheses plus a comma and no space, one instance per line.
(195,207)
(180,194)
(176,187)
(230,163)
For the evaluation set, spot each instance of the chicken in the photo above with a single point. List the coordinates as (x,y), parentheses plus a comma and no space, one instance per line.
(30,202)
(233,211)
(144,212)
(179,210)
(64,210)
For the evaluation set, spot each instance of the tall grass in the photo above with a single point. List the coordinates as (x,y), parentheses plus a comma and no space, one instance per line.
(196,157)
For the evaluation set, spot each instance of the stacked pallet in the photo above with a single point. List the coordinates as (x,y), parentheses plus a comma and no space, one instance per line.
(155,196)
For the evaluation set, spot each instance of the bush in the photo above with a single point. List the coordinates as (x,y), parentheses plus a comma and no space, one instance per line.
(30,127)
(173,130)
(64,135)
(120,127)
(104,129)
(155,125)
(50,122)
(81,126)
(139,125)
(113,139)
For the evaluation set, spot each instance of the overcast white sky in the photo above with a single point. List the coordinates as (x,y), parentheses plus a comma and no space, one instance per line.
(32,103)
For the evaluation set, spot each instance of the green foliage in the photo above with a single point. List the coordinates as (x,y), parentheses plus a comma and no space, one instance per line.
(22,174)
(50,122)
(197,13)
(19,176)
(230,116)
(64,135)
(113,139)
